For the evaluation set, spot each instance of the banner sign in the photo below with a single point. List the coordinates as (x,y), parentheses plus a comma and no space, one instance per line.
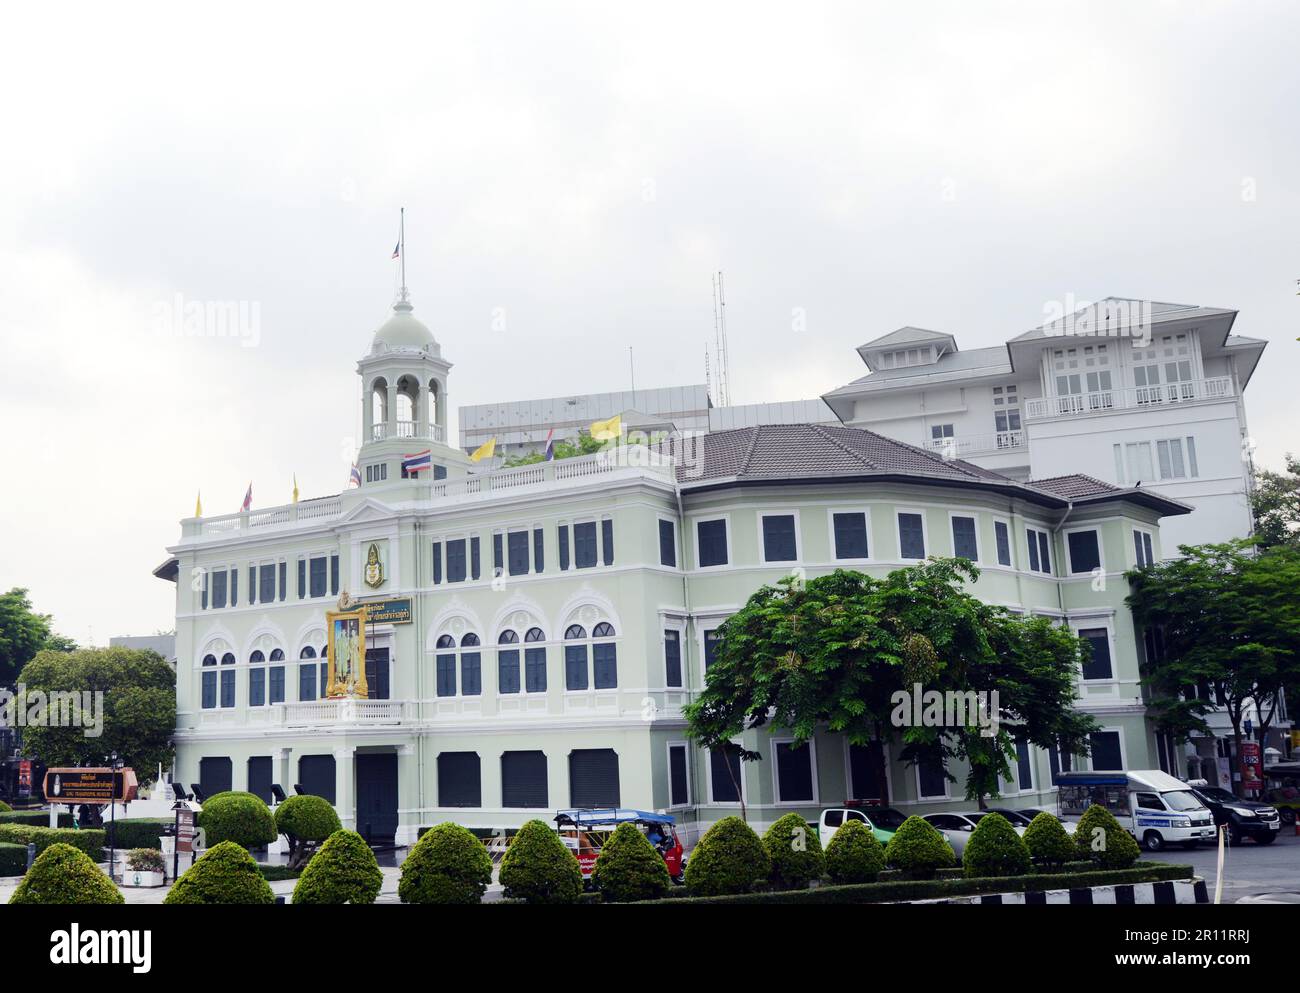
(89,785)
(1250,765)
(388,611)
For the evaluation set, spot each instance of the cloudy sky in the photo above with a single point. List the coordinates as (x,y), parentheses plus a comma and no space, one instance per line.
(581,170)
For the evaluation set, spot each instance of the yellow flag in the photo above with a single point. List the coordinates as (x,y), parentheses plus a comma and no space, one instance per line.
(485,450)
(607,430)
(295,487)
(198,504)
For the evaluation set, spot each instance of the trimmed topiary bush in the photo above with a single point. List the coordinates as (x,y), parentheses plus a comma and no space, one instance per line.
(137,832)
(306,821)
(89,841)
(795,853)
(630,868)
(1048,842)
(343,871)
(4,807)
(243,818)
(729,859)
(918,849)
(994,849)
(538,868)
(226,874)
(62,874)
(35,818)
(1101,838)
(447,865)
(13,859)
(854,855)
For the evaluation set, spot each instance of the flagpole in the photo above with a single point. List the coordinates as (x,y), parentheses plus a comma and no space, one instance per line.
(401,237)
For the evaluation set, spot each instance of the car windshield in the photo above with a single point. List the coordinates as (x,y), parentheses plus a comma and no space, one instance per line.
(1215,793)
(1181,800)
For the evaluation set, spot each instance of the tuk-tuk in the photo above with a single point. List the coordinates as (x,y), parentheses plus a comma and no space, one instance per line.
(585,832)
(1282,789)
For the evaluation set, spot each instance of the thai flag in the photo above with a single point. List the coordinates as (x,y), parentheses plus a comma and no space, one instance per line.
(355,478)
(412,464)
(397,249)
(550,445)
(248,499)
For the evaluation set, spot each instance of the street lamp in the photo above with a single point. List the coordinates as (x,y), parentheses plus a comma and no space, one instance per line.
(114,765)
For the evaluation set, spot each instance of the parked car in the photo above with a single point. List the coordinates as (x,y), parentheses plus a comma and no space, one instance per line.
(1153,806)
(1244,818)
(832,817)
(957,828)
(1024,816)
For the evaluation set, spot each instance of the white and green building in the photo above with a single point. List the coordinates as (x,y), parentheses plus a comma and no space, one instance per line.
(537,630)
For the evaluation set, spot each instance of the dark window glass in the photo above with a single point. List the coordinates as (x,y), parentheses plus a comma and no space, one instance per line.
(679,793)
(252,586)
(523,779)
(302,578)
(456,561)
(216,775)
(334,575)
(725,774)
(672,658)
(498,555)
(316,775)
(1105,750)
(563,534)
(377,669)
(459,780)
(667,544)
(575,666)
(471,667)
(266,583)
(711,642)
(1084,552)
(437,563)
(864,771)
(1098,666)
(964,543)
(711,536)
(204,597)
(1003,537)
(219,589)
(209,690)
(1044,558)
(474,571)
(1033,549)
(446,670)
(911,536)
(778,538)
(850,536)
(275,683)
(604,659)
(607,541)
(1024,768)
(593,778)
(234,587)
(256,687)
(259,777)
(794,772)
(318,577)
(534,663)
(508,663)
(933,781)
(517,545)
(584,545)
(228,688)
(539,550)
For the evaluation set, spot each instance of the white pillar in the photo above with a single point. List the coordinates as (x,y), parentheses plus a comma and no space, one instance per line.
(344,789)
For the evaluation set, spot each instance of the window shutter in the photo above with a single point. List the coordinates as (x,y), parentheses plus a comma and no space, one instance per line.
(523,779)
(538,550)
(564,546)
(437,562)
(459,780)
(473,557)
(593,778)
(607,541)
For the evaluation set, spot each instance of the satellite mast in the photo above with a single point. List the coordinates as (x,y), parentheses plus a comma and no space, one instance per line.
(720,340)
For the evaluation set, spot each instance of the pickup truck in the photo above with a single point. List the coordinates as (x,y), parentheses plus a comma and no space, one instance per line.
(883,822)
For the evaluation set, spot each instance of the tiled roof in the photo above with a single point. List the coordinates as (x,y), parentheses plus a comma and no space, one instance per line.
(1073,486)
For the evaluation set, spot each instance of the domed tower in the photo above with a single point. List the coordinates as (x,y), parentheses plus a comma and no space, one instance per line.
(404,402)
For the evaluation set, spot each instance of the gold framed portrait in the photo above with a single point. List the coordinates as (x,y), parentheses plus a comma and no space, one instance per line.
(347,653)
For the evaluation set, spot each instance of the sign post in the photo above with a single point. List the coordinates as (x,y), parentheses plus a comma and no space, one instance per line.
(186,816)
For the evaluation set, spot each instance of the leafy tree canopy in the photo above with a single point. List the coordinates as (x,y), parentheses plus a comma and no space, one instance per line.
(23,633)
(1276,505)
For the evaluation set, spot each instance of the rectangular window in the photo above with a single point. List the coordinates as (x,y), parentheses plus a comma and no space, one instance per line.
(794,772)
(523,779)
(1142,549)
(562,533)
(302,578)
(334,575)
(679,791)
(455,560)
(228,688)
(252,586)
(1191,457)
(219,589)
(584,545)
(437,563)
(711,642)
(1044,558)
(931,778)
(539,550)
(508,670)
(850,535)
(445,667)
(575,667)
(672,659)
(474,565)
(234,587)
(498,554)
(256,687)
(318,577)
(1098,666)
(307,681)
(266,583)
(517,552)
(459,780)
(535,670)
(1106,752)
(607,541)
(209,690)
(1039,558)
(471,674)
(964,542)
(593,778)
(779,538)
(1137,457)
(725,774)
(604,665)
(284,581)
(1024,768)
(1085,551)
(911,536)
(667,544)
(1002,536)
(276,684)
(711,540)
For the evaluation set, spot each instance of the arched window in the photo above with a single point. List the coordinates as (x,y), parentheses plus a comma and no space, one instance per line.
(275,677)
(378,407)
(256,679)
(307,673)
(471,666)
(535,662)
(445,662)
(210,683)
(575,658)
(604,657)
(508,662)
(228,680)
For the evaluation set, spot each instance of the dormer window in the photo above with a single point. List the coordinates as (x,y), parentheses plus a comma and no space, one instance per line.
(907,357)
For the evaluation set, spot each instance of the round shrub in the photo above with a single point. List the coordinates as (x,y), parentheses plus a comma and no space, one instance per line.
(538,868)
(62,874)
(226,874)
(994,849)
(854,854)
(305,820)
(1101,838)
(728,859)
(5,808)
(239,817)
(918,849)
(630,868)
(1048,842)
(447,865)
(343,871)
(795,853)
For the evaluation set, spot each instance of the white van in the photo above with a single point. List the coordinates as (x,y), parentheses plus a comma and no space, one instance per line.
(1153,806)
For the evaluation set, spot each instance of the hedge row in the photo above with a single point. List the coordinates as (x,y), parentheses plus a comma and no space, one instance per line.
(13,859)
(936,889)
(34,818)
(90,841)
(137,832)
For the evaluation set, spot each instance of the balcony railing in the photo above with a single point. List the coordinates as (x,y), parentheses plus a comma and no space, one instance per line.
(979,444)
(317,713)
(407,429)
(1131,398)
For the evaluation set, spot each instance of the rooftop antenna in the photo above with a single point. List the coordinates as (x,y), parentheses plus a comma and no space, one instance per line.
(708,381)
(720,340)
(631,362)
(401,252)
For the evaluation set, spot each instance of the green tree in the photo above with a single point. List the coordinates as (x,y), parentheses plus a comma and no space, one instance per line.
(564,449)
(1229,625)
(23,633)
(139,707)
(1275,504)
(837,651)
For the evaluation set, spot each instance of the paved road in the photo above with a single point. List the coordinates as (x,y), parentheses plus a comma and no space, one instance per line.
(1250,871)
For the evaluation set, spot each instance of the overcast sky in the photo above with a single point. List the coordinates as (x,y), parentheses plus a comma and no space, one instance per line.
(580,170)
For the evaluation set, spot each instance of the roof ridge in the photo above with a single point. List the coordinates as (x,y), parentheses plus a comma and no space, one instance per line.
(753,444)
(843,447)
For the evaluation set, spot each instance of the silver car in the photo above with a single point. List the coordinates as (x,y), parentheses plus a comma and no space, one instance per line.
(959,827)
